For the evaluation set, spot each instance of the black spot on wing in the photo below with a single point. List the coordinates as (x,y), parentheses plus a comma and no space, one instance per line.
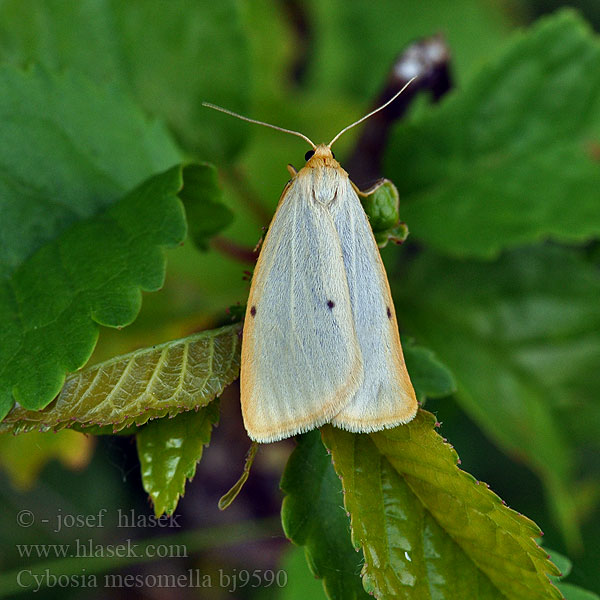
(253,311)
(389,312)
(330,304)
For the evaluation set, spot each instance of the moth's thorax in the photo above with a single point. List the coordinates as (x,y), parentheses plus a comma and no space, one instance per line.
(322,179)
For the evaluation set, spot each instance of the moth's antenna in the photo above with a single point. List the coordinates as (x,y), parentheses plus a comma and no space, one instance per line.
(230,112)
(370,114)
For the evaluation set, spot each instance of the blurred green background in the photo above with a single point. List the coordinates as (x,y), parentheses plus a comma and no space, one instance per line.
(311,66)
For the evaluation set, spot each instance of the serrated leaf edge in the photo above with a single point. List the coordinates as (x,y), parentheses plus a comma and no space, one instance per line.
(141,418)
(517,517)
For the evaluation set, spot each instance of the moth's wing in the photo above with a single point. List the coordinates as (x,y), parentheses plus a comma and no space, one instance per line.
(300,358)
(386,397)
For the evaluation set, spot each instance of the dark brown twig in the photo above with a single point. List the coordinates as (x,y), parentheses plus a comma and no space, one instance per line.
(427,59)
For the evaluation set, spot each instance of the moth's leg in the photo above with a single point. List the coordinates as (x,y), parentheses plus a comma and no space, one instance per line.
(370,190)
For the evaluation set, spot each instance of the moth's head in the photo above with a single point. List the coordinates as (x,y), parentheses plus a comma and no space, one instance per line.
(321,156)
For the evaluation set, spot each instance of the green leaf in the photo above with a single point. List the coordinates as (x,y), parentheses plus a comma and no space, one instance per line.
(76,248)
(312,516)
(430,378)
(569,590)
(521,336)
(169,450)
(169,55)
(574,592)
(562,562)
(205,211)
(165,379)
(512,157)
(429,530)
(92,145)
(91,275)
(382,205)
(98,429)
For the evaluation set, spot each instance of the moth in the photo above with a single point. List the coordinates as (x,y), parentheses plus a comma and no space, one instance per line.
(320,340)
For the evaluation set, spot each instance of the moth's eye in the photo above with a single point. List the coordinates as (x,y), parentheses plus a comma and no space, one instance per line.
(333,154)
(309,155)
